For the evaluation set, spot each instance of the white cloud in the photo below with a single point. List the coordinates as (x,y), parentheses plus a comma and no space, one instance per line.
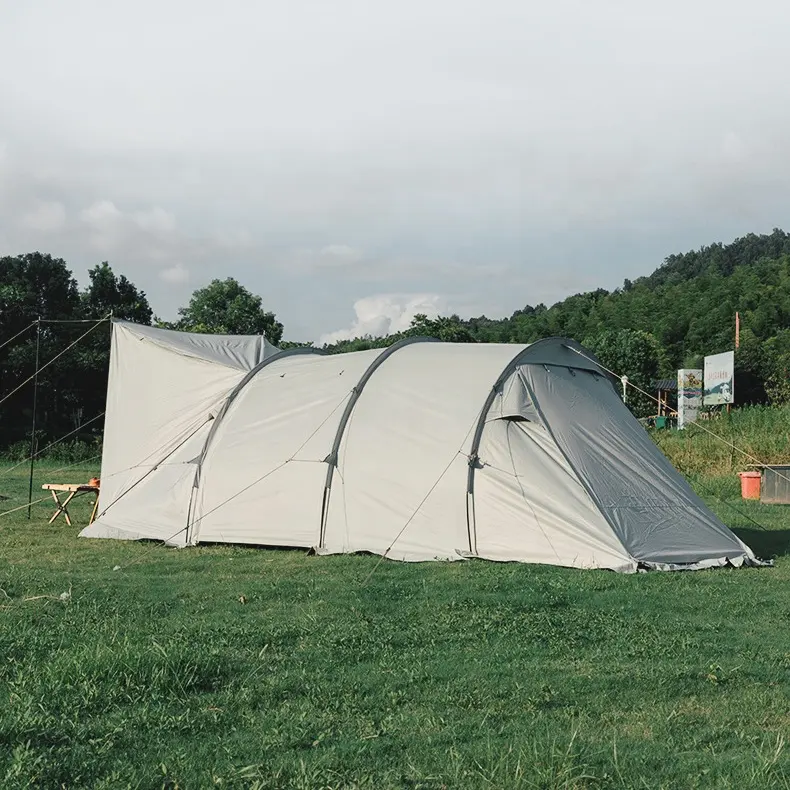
(155,220)
(386,314)
(175,274)
(340,254)
(233,239)
(510,147)
(105,225)
(732,147)
(46,216)
(331,258)
(101,214)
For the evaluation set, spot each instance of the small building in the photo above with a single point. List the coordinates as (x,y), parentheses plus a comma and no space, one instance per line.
(667,396)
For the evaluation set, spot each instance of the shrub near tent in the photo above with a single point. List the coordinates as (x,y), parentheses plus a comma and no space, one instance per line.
(422,451)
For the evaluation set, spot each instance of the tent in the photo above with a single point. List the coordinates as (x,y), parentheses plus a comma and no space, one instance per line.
(421,451)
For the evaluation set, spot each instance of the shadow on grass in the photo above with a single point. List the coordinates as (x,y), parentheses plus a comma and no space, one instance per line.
(766,543)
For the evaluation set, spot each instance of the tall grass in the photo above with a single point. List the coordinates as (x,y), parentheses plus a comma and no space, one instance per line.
(762,432)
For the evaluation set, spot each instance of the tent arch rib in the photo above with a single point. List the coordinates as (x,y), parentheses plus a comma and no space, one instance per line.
(331,459)
(531,350)
(218,420)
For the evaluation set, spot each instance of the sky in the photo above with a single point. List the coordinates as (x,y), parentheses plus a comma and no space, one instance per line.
(355,162)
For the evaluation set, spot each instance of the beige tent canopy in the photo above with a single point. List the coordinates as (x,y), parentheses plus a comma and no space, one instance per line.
(421,451)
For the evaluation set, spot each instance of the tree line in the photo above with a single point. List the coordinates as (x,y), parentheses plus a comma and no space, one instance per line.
(646,329)
(72,389)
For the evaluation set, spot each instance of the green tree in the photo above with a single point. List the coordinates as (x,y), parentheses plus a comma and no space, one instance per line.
(31,286)
(224,307)
(72,387)
(776,360)
(364,343)
(752,368)
(632,353)
(449,330)
(284,345)
(113,293)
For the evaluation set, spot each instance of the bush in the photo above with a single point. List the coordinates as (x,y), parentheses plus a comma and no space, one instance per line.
(72,452)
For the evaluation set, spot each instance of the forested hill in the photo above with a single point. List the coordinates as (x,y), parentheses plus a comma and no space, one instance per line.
(669,319)
(719,259)
(688,304)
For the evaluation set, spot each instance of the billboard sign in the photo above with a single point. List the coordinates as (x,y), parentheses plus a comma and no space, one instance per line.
(689,395)
(719,379)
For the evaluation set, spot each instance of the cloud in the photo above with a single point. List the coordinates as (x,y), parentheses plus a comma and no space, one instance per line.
(386,314)
(101,213)
(46,216)
(105,225)
(341,259)
(155,220)
(339,255)
(732,147)
(510,156)
(151,235)
(175,274)
(111,227)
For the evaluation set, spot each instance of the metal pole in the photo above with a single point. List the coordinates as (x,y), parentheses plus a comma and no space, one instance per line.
(33,427)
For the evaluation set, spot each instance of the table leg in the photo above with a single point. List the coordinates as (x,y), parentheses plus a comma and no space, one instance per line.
(95,508)
(63,507)
(59,506)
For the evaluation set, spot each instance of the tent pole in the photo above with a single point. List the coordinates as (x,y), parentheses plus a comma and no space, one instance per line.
(33,425)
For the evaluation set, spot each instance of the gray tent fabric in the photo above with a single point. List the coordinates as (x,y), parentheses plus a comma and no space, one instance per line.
(238,351)
(651,508)
(423,451)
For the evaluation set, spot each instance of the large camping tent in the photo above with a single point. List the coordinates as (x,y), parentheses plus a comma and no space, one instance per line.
(421,451)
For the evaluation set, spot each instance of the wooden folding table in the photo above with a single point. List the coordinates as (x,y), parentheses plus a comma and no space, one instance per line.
(73,490)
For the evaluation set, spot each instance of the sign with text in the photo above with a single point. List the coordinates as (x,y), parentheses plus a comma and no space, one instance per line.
(719,379)
(689,395)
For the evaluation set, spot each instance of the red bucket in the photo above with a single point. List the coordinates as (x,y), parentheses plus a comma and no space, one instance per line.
(750,484)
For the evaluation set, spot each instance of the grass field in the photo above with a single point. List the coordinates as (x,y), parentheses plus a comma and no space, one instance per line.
(229,667)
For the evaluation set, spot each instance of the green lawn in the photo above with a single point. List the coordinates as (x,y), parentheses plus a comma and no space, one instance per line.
(457,675)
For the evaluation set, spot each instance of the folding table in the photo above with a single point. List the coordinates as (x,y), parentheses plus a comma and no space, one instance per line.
(73,490)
